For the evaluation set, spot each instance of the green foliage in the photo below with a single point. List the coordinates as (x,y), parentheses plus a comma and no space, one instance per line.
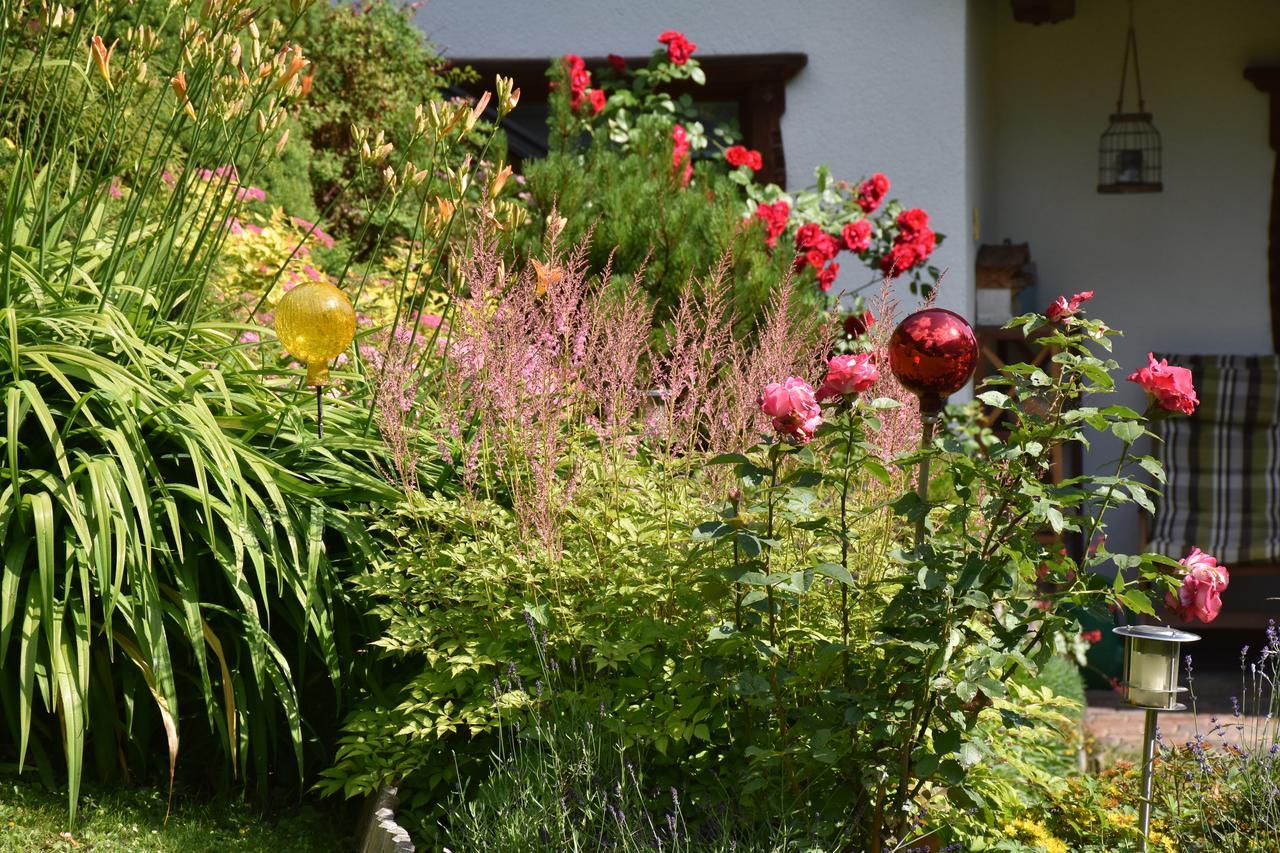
(372,69)
(454,598)
(641,219)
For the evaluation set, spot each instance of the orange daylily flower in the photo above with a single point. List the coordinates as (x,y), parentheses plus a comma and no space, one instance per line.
(102,57)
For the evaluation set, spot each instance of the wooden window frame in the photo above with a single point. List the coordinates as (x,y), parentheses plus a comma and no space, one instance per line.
(755,81)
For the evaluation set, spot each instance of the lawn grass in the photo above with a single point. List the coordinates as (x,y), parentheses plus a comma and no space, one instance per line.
(35,819)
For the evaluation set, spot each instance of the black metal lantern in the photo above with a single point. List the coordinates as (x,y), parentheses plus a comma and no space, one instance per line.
(1129,153)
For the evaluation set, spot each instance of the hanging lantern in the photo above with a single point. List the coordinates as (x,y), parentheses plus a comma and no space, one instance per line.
(933,353)
(1129,153)
(315,322)
(1151,682)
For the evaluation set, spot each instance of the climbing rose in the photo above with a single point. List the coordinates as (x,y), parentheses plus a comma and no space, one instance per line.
(913,222)
(596,98)
(579,77)
(1200,596)
(1063,307)
(792,407)
(619,64)
(848,375)
(827,276)
(679,48)
(775,220)
(1169,387)
(812,258)
(738,155)
(857,235)
(899,259)
(811,237)
(872,191)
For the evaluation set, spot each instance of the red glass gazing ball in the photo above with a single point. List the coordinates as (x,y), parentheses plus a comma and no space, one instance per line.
(933,353)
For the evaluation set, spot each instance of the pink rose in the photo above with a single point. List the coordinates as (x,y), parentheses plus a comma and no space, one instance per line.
(848,375)
(857,235)
(1063,307)
(792,406)
(1169,387)
(1200,596)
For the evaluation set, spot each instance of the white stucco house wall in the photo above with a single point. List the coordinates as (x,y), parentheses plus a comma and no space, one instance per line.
(992,126)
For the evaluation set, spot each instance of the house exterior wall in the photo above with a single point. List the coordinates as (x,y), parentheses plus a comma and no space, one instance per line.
(884,90)
(1184,270)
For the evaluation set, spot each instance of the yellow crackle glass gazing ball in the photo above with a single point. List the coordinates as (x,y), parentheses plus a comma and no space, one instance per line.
(315,322)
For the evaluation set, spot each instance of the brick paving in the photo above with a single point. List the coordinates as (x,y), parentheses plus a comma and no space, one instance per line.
(1116,728)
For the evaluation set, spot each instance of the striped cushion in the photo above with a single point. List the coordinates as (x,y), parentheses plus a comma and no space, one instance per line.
(1223,463)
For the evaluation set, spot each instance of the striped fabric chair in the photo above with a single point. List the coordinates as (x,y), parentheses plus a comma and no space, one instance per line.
(1223,467)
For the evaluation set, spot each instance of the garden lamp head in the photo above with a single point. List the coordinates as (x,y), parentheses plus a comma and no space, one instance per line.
(1151,654)
(315,322)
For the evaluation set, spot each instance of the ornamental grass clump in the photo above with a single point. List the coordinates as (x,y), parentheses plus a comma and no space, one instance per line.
(174,536)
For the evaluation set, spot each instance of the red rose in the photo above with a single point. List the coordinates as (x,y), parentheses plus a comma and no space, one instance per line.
(1063,307)
(579,77)
(812,237)
(1169,387)
(810,258)
(857,235)
(912,222)
(680,152)
(738,155)
(679,48)
(619,64)
(775,220)
(856,325)
(872,191)
(902,257)
(827,276)
(597,98)
(924,242)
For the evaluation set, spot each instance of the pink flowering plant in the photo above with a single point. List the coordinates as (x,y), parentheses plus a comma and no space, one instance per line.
(890,699)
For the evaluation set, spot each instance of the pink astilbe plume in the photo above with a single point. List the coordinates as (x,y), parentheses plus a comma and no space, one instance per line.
(698,349)
(900,427)
(396,409)
(534,362)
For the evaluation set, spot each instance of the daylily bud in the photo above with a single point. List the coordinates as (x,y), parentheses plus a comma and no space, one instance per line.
(478,110)
(284,139)
(499,180)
